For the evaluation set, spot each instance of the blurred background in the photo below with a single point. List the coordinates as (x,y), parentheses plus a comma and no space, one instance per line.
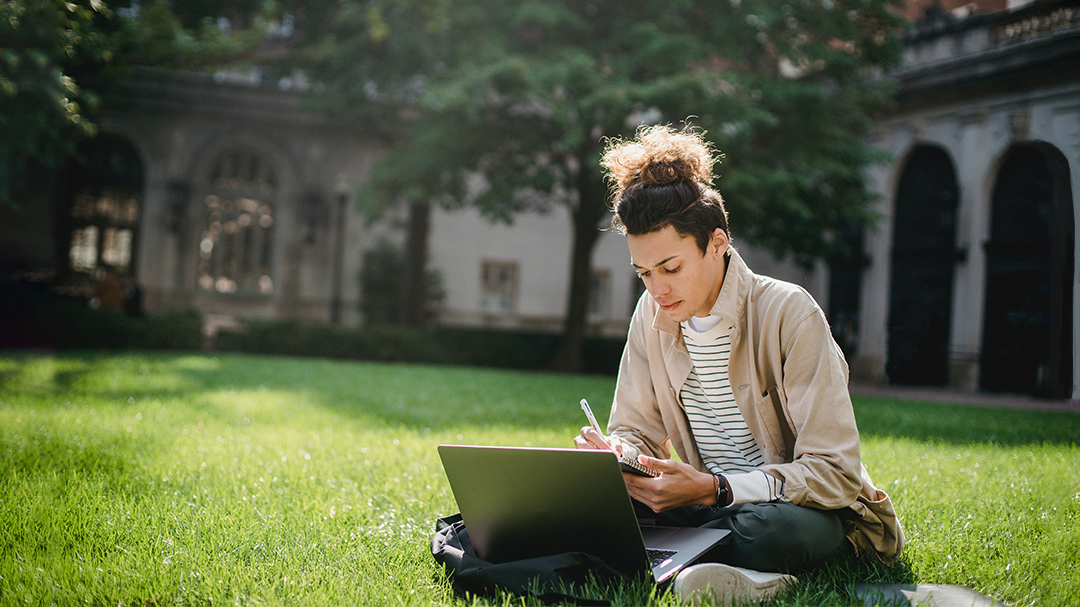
(418,179)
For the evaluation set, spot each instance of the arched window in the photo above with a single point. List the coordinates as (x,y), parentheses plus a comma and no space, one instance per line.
(105,186)
(236,245)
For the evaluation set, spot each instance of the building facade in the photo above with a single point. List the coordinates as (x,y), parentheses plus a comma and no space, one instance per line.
(221,193)
(971,277)
(205,191)
(518,276)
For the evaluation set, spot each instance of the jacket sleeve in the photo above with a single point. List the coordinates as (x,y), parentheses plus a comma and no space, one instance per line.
(810,396)
(635,415)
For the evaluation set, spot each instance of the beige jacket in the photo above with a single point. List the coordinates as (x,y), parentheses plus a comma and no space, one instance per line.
(789,379)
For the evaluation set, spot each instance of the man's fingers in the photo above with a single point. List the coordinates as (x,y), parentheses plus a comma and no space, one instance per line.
(663,465)
(640,494)
(593,439)
(652,462)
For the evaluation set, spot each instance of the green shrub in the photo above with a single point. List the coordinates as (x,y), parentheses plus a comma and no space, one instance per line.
(390,343)
(170,330)
(34,317)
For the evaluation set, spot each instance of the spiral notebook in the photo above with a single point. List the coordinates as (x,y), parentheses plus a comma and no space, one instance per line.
(520,503)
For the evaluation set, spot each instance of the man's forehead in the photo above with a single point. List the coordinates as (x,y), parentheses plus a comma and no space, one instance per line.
(657,248)
(657,264)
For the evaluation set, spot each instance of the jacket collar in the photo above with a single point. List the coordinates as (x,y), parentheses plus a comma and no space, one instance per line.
(729,304)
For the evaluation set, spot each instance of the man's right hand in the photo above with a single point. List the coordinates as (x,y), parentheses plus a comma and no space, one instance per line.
(589,438)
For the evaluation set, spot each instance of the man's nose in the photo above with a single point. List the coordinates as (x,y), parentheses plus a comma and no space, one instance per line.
(659,287)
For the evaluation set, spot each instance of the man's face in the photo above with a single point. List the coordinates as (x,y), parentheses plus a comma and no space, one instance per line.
(682,280)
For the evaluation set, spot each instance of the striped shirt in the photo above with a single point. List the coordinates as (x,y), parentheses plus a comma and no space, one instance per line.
(722,436)
(721,433)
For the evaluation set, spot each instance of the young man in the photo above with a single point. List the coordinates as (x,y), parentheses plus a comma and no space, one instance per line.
(738,373)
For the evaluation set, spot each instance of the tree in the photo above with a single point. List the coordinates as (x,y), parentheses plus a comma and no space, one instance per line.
(199,35)
(505,106)
(48,48)
(58,57)
(521,94)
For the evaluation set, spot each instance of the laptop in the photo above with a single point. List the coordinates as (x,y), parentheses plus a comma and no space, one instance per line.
(520,503)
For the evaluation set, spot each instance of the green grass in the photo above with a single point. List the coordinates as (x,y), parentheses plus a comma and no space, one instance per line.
(154,479)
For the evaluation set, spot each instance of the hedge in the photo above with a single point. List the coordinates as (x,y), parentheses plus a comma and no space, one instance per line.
(442,345)
(33,317)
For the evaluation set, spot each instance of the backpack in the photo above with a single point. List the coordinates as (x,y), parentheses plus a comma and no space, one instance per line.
(551,579)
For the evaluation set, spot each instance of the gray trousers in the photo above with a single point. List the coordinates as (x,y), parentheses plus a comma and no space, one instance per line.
(776,536)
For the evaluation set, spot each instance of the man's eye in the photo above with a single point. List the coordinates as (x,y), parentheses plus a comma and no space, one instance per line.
(673,270)
(642,275)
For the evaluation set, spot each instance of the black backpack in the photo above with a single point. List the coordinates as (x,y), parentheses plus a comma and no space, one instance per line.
(551,579)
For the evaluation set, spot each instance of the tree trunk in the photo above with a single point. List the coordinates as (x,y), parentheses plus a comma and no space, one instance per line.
(416,253)
(586,218)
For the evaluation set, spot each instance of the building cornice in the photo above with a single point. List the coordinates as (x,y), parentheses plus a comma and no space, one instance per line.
(218,95)
(990,54)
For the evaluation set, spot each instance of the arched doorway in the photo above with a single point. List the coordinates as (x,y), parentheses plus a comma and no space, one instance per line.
(102,206)
(923,257)
(1027,335)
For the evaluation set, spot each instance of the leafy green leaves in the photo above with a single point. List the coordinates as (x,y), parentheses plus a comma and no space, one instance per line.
(524,93)
(46,46)
(58,56)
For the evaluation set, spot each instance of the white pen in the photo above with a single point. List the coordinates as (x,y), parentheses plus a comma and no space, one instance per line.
(592,419)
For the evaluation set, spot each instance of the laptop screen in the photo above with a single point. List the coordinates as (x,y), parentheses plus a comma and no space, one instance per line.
(522,503)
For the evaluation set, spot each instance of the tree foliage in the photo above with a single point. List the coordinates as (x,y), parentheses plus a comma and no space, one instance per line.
(47,48)
(523,94)
(201,36)
(506,106)
(58,58)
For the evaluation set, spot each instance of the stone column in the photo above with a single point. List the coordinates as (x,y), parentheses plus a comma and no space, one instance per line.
(973,162)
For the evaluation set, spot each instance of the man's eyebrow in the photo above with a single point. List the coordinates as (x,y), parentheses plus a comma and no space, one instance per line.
(657,265)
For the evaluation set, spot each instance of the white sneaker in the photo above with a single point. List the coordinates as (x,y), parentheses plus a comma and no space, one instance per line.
(726,584)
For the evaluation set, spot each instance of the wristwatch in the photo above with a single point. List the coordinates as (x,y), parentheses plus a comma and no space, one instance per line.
(723,498)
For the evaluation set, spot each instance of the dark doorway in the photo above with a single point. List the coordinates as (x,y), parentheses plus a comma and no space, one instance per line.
(923,257)
(846,268)
(99,222)
(1027,335)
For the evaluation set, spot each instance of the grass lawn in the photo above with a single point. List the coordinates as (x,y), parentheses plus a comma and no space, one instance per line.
(162,479)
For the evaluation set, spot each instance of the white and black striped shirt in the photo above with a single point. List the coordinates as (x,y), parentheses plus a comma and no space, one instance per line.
(722,436)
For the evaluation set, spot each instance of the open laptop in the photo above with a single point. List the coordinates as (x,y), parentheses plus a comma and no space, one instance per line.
(520,503)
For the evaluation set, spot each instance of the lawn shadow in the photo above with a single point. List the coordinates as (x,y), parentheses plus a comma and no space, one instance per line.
(412,396)
(947,423)
(428,396)
(835,582)
(71,378)
(417,396)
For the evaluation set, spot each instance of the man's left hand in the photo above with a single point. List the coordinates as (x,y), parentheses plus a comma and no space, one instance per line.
(679,485)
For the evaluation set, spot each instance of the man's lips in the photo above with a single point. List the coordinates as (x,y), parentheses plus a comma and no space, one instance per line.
(667,307)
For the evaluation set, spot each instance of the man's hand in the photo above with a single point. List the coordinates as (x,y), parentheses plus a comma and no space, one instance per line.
(591,439)
(679,485)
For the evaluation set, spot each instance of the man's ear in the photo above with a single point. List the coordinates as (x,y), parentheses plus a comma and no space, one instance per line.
(718,244)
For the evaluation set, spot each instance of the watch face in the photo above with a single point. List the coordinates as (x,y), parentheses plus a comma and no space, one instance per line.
(722,498)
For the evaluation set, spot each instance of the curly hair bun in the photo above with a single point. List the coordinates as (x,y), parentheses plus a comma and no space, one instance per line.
(659,154)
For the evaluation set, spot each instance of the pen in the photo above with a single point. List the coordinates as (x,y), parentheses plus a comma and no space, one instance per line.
(592,419)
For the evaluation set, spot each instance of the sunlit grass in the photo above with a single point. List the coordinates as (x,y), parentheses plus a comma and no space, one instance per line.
(153,479)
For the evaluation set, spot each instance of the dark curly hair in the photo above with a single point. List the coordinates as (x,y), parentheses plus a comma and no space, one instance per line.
(663,177)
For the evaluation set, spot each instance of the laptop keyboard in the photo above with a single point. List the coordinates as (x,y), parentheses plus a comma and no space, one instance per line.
(659,556)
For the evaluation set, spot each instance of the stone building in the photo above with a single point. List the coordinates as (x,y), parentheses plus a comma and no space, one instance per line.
(970,280)
(219,192)
(206,192)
